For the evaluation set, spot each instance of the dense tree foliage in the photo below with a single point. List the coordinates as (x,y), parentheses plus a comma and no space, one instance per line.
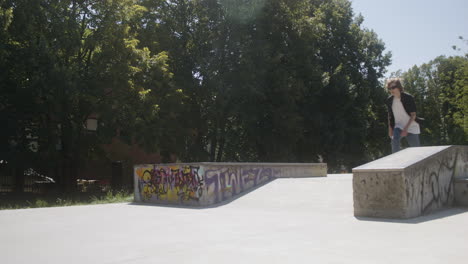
(61,62)
(208,80)
(274,80)
(440,88)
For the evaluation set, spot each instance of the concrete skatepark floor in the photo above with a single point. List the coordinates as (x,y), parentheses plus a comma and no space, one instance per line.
(308,220)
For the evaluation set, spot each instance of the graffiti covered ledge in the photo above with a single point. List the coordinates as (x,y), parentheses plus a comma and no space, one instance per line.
(207,183)
(410,183)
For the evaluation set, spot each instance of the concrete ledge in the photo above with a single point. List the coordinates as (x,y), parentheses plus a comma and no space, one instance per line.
(208,183)
(409,183)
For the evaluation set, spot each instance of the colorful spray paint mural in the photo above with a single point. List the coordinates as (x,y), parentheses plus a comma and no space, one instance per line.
(176,183)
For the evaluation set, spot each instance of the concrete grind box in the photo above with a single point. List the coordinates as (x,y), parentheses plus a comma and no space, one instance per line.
(409,183)
(204,184)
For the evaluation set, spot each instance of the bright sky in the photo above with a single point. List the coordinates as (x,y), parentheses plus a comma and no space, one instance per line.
(416,31)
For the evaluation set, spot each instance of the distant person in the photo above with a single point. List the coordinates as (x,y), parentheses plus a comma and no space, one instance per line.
(401,116)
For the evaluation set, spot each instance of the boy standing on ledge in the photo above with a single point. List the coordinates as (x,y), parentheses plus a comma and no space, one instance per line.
(401,116)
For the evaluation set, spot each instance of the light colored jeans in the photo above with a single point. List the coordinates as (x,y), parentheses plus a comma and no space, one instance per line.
(412,139)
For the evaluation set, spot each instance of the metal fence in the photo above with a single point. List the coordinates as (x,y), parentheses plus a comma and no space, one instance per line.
(33,182)
(7,179)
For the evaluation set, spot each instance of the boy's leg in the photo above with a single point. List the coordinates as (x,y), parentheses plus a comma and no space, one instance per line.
(413,140)
(396,140)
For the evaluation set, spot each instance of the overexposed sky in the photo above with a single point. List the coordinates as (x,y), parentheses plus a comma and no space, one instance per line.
(416,31)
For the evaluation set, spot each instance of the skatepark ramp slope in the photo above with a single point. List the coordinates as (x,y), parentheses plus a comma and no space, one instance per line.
(210,183)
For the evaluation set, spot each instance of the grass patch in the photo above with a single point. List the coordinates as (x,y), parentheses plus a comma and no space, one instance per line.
(13,201)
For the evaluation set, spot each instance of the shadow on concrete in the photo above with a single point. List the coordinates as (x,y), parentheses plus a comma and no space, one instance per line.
(420,219)
(197,207)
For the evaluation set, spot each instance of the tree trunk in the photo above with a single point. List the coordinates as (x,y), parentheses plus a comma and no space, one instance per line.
(222,143)
(214,144)
(19,178)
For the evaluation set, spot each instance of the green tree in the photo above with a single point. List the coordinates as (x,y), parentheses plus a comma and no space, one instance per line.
(440,89)
(66,60)
(226,80)
(264,79)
